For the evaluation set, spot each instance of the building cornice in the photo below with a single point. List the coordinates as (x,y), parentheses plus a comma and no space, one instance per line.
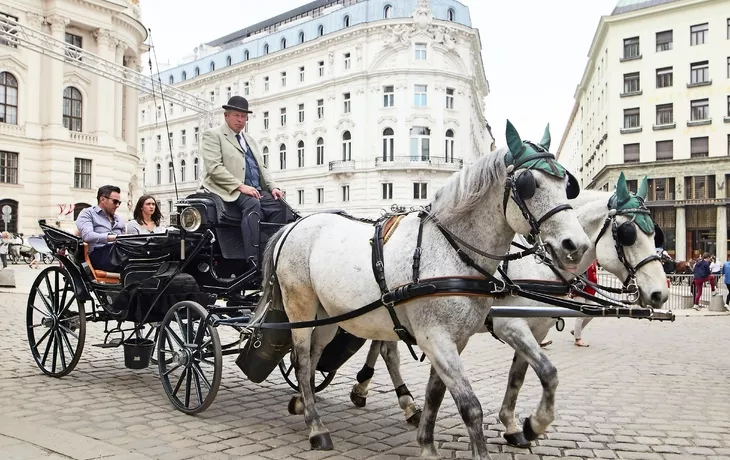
(657,167)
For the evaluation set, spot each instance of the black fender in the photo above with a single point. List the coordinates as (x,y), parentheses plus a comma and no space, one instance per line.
(74,271)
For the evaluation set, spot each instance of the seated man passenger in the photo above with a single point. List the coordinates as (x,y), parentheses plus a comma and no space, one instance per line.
(235,171)
(99,226)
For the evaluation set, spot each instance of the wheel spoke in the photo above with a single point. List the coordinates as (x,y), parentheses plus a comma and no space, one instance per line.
(69,331)
(45,301)
(48,346)
(166,373)
(67,342)
(179,382)
(48,332)
(198,391)
(60,349)
(199,374)
(50,292)
(188,381)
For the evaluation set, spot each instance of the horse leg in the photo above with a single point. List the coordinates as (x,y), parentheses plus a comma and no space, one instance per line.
(513,433)
(447,371)
(391,356)
(321,337)
(359,392)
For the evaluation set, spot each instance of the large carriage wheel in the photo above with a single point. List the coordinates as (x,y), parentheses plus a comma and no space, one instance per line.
(321,379)
(56,322)
(189,357)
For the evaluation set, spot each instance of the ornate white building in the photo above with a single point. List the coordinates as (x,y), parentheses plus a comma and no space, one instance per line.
(64,131)
(357,104)
(655,100)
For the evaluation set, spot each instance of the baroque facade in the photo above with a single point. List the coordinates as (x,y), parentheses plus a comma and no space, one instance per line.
(64,131)
(654,101)
(357,104)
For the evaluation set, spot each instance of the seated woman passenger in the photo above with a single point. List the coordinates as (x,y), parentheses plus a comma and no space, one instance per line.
(147,217)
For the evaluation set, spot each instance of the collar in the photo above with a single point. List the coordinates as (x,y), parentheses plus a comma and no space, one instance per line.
(98,210)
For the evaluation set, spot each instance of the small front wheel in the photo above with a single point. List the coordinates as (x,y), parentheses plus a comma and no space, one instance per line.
(189,357)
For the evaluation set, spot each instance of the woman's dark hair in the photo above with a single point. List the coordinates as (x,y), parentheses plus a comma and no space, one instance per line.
(156,216)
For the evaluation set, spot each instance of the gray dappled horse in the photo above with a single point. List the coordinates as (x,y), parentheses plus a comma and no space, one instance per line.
(322,266)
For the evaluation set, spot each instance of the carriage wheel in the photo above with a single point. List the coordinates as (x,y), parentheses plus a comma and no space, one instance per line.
(189,355)
(321,379)
(56,322)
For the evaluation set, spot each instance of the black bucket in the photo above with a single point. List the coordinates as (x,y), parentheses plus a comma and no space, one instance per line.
(260,357)
(339,350)
(137,352)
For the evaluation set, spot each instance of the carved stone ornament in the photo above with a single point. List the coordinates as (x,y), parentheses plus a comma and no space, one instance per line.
(102,36)
(720,184)
(34,20)
(57,22)
(422,16)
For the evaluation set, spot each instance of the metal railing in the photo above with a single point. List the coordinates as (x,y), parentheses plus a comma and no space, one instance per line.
(437,162)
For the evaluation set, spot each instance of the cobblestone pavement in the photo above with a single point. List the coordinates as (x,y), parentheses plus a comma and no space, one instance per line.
(641,391)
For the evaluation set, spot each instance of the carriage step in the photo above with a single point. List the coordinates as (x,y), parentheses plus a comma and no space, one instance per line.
(113,343)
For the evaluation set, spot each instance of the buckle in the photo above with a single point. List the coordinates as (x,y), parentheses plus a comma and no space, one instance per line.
(385,302)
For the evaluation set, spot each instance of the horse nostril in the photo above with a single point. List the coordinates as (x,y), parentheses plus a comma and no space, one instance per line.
(569,245)
(657,298)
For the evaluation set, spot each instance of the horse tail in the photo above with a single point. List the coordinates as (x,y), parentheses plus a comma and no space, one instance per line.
(271,293)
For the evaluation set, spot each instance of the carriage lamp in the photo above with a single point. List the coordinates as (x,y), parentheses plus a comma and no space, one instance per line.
(190,219)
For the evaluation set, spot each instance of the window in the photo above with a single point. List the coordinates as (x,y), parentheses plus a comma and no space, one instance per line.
(212,99)
(266,48)
(8,168)
(320,31)
(246,55)
(631,153)
(632,118)
(320,108)
(197,71)
(141,145)
(169,206)
(698,34)
(196,169)
(183,138)
(700,109)
(182,170)
(450,98)
(665,114)
(229,93)
(170,172)
(141,118)
(283,79)
(700,188)
(265,156)
(282,156)
(266,120)
(631,83)
(451,15)
(184,75)
(300,196)
(699,72)
(283,43)
(282,116)
(631,48)
(420,191)
(728,37)
(664,150)
(728,71)
(661,189)
(345,192)
(420,95)
(158,173)
(346,146)
(170,139)
(8,98)
(388,144)
(664,77)
(320,195)
(9,41)
(300,154)
(76,44)
(320,151)
(82,173)
(387,12)
(346,99)
(212,66)
(664,40)
(301,74)
(266,83)
(171,80)
(229,61)
(699,147)
(346,21)
(347,60)
(246,89)
(387,191)
(320,68)
(388,96)
(420,143)
(72,110)
(449,147)
(196,134)
(420,51)
(159,142)
(301,113)
(301,37)
(728,106)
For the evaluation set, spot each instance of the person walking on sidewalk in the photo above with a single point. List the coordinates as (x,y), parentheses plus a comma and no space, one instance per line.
(726,279)
(580,323)
(702,274)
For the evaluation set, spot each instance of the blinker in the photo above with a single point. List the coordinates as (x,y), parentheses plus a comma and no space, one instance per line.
(626,234)
(526,185)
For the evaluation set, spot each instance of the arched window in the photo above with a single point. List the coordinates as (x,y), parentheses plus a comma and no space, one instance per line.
(420,143)
(170,172)
(182,170)
(196,169)
(8,98)
(197,71)
(320,151)
(245,55)
(184,76)
(212,66)
(229,61)
(171,80)
(13,224)
(72,108)
(451,15)
(282,156)
(301,37)
(346,21)
(320,31)
(265,155)
(300,154)
(346,146)
(158,173)
(387,12)
(283,43)
(266,48)
(388,144)
(78,207)
(449,147)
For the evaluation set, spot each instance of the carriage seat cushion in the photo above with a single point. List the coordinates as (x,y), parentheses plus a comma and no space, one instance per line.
(104,274)
(225,212)
(100,276)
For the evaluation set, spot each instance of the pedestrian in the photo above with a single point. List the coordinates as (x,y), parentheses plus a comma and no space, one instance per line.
(580,323)
(4,245)
(726,279)
(702,274)
(715,266)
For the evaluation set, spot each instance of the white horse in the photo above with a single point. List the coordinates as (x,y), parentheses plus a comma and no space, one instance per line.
(322,266)
(617,252)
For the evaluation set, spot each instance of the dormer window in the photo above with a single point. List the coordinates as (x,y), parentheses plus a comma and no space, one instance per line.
(283,43)
(301,37)
(320,31)
(451,15)
(229,61)
(266,48)
(212,66)
(346,21)
(387,12)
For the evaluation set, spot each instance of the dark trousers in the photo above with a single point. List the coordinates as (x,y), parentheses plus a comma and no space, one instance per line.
(727,300)
(101,258)
(253,211)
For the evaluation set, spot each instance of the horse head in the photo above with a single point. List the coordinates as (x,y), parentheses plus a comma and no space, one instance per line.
(536,197)
(626,246)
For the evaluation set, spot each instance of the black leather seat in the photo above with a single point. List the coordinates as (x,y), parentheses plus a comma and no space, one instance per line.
(218,211)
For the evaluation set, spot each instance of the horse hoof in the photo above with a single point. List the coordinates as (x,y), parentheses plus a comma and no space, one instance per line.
(322,441)
(517,440)
(530,435)
(415,419)
(357,400)
(295,405)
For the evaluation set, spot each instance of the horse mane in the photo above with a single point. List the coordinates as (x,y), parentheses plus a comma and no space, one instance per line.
(464,190)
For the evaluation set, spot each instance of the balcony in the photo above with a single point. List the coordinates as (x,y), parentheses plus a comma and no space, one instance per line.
(83,138)
(342,165)
(414,162)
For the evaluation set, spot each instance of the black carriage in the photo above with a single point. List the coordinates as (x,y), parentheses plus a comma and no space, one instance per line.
(166,303)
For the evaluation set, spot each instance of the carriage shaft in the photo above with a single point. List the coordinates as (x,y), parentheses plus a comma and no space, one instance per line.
(500,311)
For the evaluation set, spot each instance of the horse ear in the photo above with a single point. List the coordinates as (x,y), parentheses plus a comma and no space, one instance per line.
(643,189)
(622,190)
(513,140)
(545,142)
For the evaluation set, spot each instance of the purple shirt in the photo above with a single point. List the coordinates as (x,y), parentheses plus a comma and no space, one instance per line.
(95,226)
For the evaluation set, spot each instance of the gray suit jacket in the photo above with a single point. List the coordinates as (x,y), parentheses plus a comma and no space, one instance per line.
(225,164)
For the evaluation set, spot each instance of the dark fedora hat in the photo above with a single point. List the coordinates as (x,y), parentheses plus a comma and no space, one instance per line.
(237,103)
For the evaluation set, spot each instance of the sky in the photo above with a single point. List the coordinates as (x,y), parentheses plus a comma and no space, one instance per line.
(534,51)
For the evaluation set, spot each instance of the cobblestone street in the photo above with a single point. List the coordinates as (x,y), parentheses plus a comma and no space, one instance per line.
(641,391)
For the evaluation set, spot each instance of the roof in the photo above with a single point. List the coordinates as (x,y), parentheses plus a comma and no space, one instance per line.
(624,6)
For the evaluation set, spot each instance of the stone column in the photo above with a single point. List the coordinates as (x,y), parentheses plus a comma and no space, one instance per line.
(721,249)
(118,109)
(105,49)
(33,111)
(131,111)
(681,235)
(54,101)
